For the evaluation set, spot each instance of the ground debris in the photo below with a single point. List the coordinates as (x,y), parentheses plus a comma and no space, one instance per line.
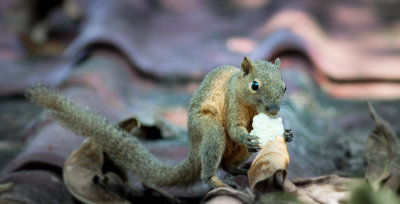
(383,155)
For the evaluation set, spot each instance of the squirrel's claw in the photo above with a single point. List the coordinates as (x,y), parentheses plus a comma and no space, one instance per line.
(252,144)
(288,135)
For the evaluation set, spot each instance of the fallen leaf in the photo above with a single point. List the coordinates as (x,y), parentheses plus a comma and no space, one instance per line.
(325,189)
(148,127)
(129,124)
(268,170)
(382,154)
(80,171)
(228,195)
(279,198)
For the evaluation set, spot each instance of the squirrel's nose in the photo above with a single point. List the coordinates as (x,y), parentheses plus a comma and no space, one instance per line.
(272,111)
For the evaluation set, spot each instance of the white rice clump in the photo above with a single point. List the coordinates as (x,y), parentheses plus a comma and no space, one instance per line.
(267,128)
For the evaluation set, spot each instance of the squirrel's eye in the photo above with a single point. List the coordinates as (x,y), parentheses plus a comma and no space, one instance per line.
(254,85)
(284,90)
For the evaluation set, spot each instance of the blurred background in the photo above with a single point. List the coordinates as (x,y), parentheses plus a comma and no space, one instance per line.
(145,58)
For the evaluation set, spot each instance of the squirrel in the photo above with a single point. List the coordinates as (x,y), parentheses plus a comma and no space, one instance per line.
(219,121)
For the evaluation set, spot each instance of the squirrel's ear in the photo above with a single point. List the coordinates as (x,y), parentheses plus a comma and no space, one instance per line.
(246,66)
(277,62)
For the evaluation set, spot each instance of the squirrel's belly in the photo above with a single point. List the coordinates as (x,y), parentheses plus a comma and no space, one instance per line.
(235,153)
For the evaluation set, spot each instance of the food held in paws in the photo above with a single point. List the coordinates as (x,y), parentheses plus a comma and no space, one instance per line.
(273,156)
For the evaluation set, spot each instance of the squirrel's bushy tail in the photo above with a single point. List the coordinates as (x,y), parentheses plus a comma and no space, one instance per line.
(123,149)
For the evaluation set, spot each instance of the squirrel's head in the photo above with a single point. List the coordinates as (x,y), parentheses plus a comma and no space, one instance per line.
(261,85)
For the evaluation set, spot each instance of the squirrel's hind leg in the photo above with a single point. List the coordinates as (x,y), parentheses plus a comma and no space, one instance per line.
(212,148)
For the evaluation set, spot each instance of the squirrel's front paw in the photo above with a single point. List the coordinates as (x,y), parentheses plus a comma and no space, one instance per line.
(252,144)
(288,135)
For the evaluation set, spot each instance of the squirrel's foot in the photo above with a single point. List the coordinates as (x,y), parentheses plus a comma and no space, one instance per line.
(288,135)
(215,182)
(234,170)
(252,144)
(229,181)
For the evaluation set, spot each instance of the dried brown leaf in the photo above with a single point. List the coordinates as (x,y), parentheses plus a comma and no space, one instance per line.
(382,154)
(268,170)
(228,195)
(325,189)
(148,127)
(80,168)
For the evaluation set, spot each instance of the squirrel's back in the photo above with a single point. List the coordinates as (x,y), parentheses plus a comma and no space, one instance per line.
(209,98)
